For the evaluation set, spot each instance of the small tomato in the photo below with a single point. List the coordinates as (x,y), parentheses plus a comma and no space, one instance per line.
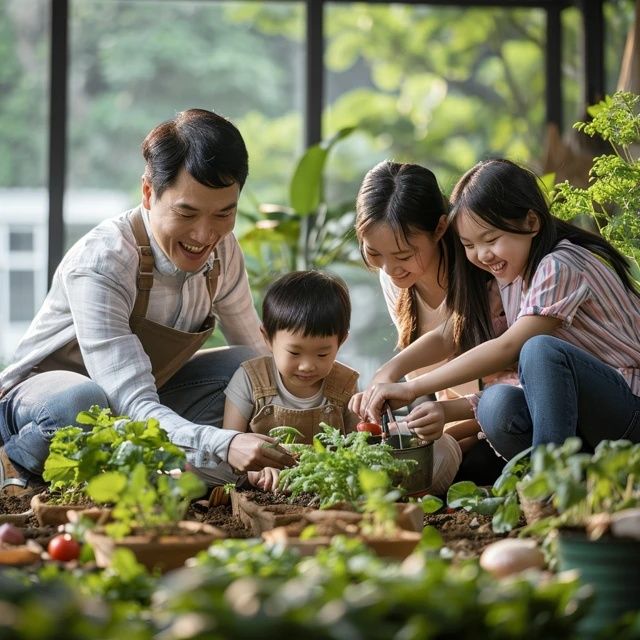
(63,547)
(371,427)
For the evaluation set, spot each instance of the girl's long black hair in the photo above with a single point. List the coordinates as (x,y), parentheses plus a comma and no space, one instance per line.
(502,193)
(408,199)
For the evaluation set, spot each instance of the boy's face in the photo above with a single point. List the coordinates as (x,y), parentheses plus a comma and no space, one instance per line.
(303,361)
(189,219)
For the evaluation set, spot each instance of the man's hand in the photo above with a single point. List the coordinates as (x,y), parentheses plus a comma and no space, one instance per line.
(254,451)
(427,421)
(267,479)
(368,404)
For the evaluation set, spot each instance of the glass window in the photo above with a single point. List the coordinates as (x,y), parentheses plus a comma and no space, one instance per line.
(21,296)
(21,240)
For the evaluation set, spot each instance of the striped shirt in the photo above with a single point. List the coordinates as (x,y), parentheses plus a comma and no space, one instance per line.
(91,299)
(598,313)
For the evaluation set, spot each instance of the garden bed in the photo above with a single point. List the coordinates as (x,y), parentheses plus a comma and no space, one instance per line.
(466,534)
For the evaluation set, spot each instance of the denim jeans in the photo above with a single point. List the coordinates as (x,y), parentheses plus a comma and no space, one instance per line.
(35,409)
(565,392)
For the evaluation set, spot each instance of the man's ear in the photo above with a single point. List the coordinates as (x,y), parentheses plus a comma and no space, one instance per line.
(265,336)
(147,192)
(441,227)
(533,221)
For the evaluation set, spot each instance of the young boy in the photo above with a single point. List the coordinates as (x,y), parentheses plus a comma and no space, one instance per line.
(305,320)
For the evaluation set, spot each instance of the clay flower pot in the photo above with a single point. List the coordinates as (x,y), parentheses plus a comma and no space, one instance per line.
(396,547)
(56,514)
(163,552)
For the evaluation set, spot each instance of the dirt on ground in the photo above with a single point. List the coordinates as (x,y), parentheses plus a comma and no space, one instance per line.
(465,534)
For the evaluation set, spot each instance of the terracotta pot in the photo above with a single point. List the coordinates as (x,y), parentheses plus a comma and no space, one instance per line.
(259,518)
(397,547)
(163,552)
(535,510)
(56,514)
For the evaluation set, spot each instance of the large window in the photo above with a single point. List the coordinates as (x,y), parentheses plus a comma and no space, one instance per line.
(442,86)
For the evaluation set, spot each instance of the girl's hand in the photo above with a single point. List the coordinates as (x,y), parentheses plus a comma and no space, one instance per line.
(265,479)
(427,421)
(368,404)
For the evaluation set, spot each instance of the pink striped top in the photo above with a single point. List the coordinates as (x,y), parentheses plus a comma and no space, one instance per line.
(598,314)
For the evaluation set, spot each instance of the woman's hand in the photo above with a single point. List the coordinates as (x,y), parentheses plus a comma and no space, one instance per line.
(427,420)
(266,479)
(368,404)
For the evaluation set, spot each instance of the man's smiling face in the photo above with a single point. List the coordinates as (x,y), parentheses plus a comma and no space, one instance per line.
(189,219)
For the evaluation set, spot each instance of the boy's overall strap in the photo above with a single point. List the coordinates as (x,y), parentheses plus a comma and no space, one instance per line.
(259,371)
(340,384)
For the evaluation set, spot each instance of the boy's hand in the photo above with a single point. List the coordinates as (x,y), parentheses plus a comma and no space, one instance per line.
(427,421)
(267,479)
(254,451)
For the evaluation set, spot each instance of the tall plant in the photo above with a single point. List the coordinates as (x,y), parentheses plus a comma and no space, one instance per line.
(612,199)
(307,233)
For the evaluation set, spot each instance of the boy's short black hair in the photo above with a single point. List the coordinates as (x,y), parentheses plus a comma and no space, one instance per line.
(313,303)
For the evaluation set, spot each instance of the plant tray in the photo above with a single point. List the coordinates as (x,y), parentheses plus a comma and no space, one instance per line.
(260,518)
(163,552)
(56,514)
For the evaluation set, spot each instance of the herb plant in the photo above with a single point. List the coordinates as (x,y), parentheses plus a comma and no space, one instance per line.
(330,467)
(140,502)
(109,443)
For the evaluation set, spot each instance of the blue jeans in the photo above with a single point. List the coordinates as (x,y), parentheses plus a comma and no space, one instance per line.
(35,409)
(565,392)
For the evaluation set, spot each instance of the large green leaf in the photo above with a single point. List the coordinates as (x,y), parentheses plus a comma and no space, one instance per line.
(305,190)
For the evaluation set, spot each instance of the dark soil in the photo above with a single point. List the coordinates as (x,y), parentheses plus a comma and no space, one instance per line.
(466,534)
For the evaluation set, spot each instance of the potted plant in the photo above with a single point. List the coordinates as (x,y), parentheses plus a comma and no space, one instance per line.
(106,443)
(147,517)
(596,523)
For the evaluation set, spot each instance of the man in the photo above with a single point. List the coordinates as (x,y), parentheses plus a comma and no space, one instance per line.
(130,305)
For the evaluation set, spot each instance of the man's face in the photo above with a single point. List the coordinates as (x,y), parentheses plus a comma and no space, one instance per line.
(190,219)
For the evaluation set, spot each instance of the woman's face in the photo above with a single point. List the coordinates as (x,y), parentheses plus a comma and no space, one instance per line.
(404,260)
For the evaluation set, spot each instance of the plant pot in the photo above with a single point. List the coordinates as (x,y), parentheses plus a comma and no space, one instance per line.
(56,514)
(611,566)
(164,552)
(397,547)
(420,479)
(535,510)
(258,518)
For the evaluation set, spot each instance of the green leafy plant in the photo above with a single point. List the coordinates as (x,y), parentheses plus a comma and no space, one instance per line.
(307,233)
(108,443)
(154,504)
(330,467)
(612,199)
(584,488)
(500,500)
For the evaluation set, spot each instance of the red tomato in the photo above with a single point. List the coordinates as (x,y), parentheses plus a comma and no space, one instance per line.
(371,427)
(63,547)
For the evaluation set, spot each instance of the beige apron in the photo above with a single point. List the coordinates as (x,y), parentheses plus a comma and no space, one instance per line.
(339,386)
(167,348)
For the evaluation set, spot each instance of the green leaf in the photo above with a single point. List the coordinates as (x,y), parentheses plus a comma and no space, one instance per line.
(107,487)
(431,504)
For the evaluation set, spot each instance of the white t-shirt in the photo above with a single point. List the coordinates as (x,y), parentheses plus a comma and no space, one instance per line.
(240,393)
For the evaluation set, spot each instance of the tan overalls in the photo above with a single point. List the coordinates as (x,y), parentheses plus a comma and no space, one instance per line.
(339,386)
(167,348)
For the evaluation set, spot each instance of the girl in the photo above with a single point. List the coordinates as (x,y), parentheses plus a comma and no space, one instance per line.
(574,323)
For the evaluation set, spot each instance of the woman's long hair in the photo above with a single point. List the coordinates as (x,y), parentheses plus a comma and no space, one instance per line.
(408,199)
(502,193)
